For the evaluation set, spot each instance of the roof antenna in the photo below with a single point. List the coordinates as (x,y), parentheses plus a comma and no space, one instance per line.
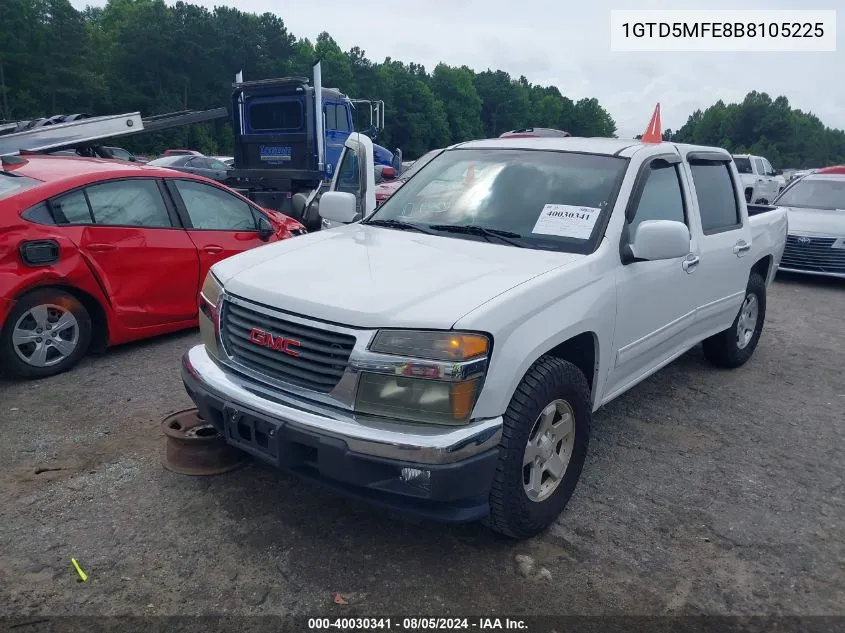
(652,132)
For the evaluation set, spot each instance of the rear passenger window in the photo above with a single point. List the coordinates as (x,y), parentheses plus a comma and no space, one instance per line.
(40,213)
(72,209)
(129,203)
(717,202)
(662,198)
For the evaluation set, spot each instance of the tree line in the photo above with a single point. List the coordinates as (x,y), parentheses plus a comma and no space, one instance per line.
(142,55)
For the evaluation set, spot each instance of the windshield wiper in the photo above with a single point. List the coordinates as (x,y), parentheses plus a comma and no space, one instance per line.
(398,224)
(471,229)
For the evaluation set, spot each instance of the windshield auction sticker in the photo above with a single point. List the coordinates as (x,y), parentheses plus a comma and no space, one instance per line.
(564,220)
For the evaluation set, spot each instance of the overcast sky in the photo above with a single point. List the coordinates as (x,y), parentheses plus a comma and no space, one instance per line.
(566,43)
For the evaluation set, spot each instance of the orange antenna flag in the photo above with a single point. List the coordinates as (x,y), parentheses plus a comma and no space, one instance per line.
(653,134)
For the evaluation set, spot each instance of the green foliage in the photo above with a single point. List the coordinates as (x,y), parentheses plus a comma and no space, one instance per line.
(788,137)
(142,55)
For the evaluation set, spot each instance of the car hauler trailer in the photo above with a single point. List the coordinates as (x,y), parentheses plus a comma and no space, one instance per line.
(87,134)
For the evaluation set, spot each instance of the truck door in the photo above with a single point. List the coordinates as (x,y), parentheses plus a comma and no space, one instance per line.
(763,189)
(773,180)
(338,125)
(656,299)
(355,173)
(725,241)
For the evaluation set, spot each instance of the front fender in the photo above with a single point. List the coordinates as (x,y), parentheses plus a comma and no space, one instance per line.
(568,303)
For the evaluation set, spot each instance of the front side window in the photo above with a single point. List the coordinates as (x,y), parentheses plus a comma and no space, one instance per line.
(662,198)
(128,203)
(349,173)
(213,209)
(815,194)
(330,119)
(768,169)
(544,199)
(717,202)
(341,120)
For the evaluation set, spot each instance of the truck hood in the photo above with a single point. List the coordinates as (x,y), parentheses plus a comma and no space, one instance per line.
(816,221)
(371,277)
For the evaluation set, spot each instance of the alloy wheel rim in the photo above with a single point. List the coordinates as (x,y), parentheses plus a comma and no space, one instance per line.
(548,451)
(45,335)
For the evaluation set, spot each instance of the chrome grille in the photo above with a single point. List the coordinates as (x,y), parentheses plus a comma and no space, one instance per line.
(813,254)
(323,354)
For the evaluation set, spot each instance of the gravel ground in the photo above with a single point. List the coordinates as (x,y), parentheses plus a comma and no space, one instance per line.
(705,491)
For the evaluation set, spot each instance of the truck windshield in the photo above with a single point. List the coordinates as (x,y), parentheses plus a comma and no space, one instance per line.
(421,162)
(11,183)
(537,199)
(743,165)
(815,194)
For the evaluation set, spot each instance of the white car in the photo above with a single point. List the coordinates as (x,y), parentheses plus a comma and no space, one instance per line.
(445,355)
(815,206)
(761,183)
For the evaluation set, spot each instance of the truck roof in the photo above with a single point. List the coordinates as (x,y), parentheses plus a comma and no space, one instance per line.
(604,146)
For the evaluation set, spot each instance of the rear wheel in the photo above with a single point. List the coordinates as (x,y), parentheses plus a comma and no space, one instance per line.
(544,445)
(733,347)
(47,332)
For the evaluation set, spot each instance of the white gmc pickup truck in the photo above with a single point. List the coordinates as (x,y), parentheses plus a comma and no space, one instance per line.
(445,355)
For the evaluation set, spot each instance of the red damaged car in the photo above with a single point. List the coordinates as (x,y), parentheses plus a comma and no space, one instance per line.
(95,253)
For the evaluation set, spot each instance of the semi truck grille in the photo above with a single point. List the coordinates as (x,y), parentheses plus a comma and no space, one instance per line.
(308,357)
(813,254)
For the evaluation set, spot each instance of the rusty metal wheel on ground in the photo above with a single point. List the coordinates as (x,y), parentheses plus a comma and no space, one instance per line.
(195,447)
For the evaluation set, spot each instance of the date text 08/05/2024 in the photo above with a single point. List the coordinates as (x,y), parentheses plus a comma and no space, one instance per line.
(415,624)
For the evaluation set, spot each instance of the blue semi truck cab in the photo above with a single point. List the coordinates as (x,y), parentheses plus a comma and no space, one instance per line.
(281,146)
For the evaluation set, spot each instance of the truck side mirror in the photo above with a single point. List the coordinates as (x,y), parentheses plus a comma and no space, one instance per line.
(297,204)
(338,206)
(658,239)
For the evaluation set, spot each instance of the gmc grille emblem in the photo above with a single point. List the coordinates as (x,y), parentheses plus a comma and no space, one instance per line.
(804,240)
(278,343)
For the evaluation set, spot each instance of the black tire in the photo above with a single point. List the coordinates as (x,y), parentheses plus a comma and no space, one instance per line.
(512,512)
(748,194)
(723,349)
(13,364)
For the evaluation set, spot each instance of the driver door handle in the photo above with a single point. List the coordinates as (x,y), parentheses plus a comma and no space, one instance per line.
(741,247)
(213,250)
(691,263)
(99,247)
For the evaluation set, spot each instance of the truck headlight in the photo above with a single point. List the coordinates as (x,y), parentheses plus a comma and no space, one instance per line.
(209,313)
(433,345)
(435,378)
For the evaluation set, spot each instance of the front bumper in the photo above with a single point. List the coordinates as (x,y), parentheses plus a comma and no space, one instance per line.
(443,473)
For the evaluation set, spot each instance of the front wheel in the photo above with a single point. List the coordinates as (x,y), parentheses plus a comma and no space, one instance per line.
(47,332)
(544,445)
(733,347)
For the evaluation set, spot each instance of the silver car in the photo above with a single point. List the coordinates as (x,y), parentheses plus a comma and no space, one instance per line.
(815,208)
(200,165)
